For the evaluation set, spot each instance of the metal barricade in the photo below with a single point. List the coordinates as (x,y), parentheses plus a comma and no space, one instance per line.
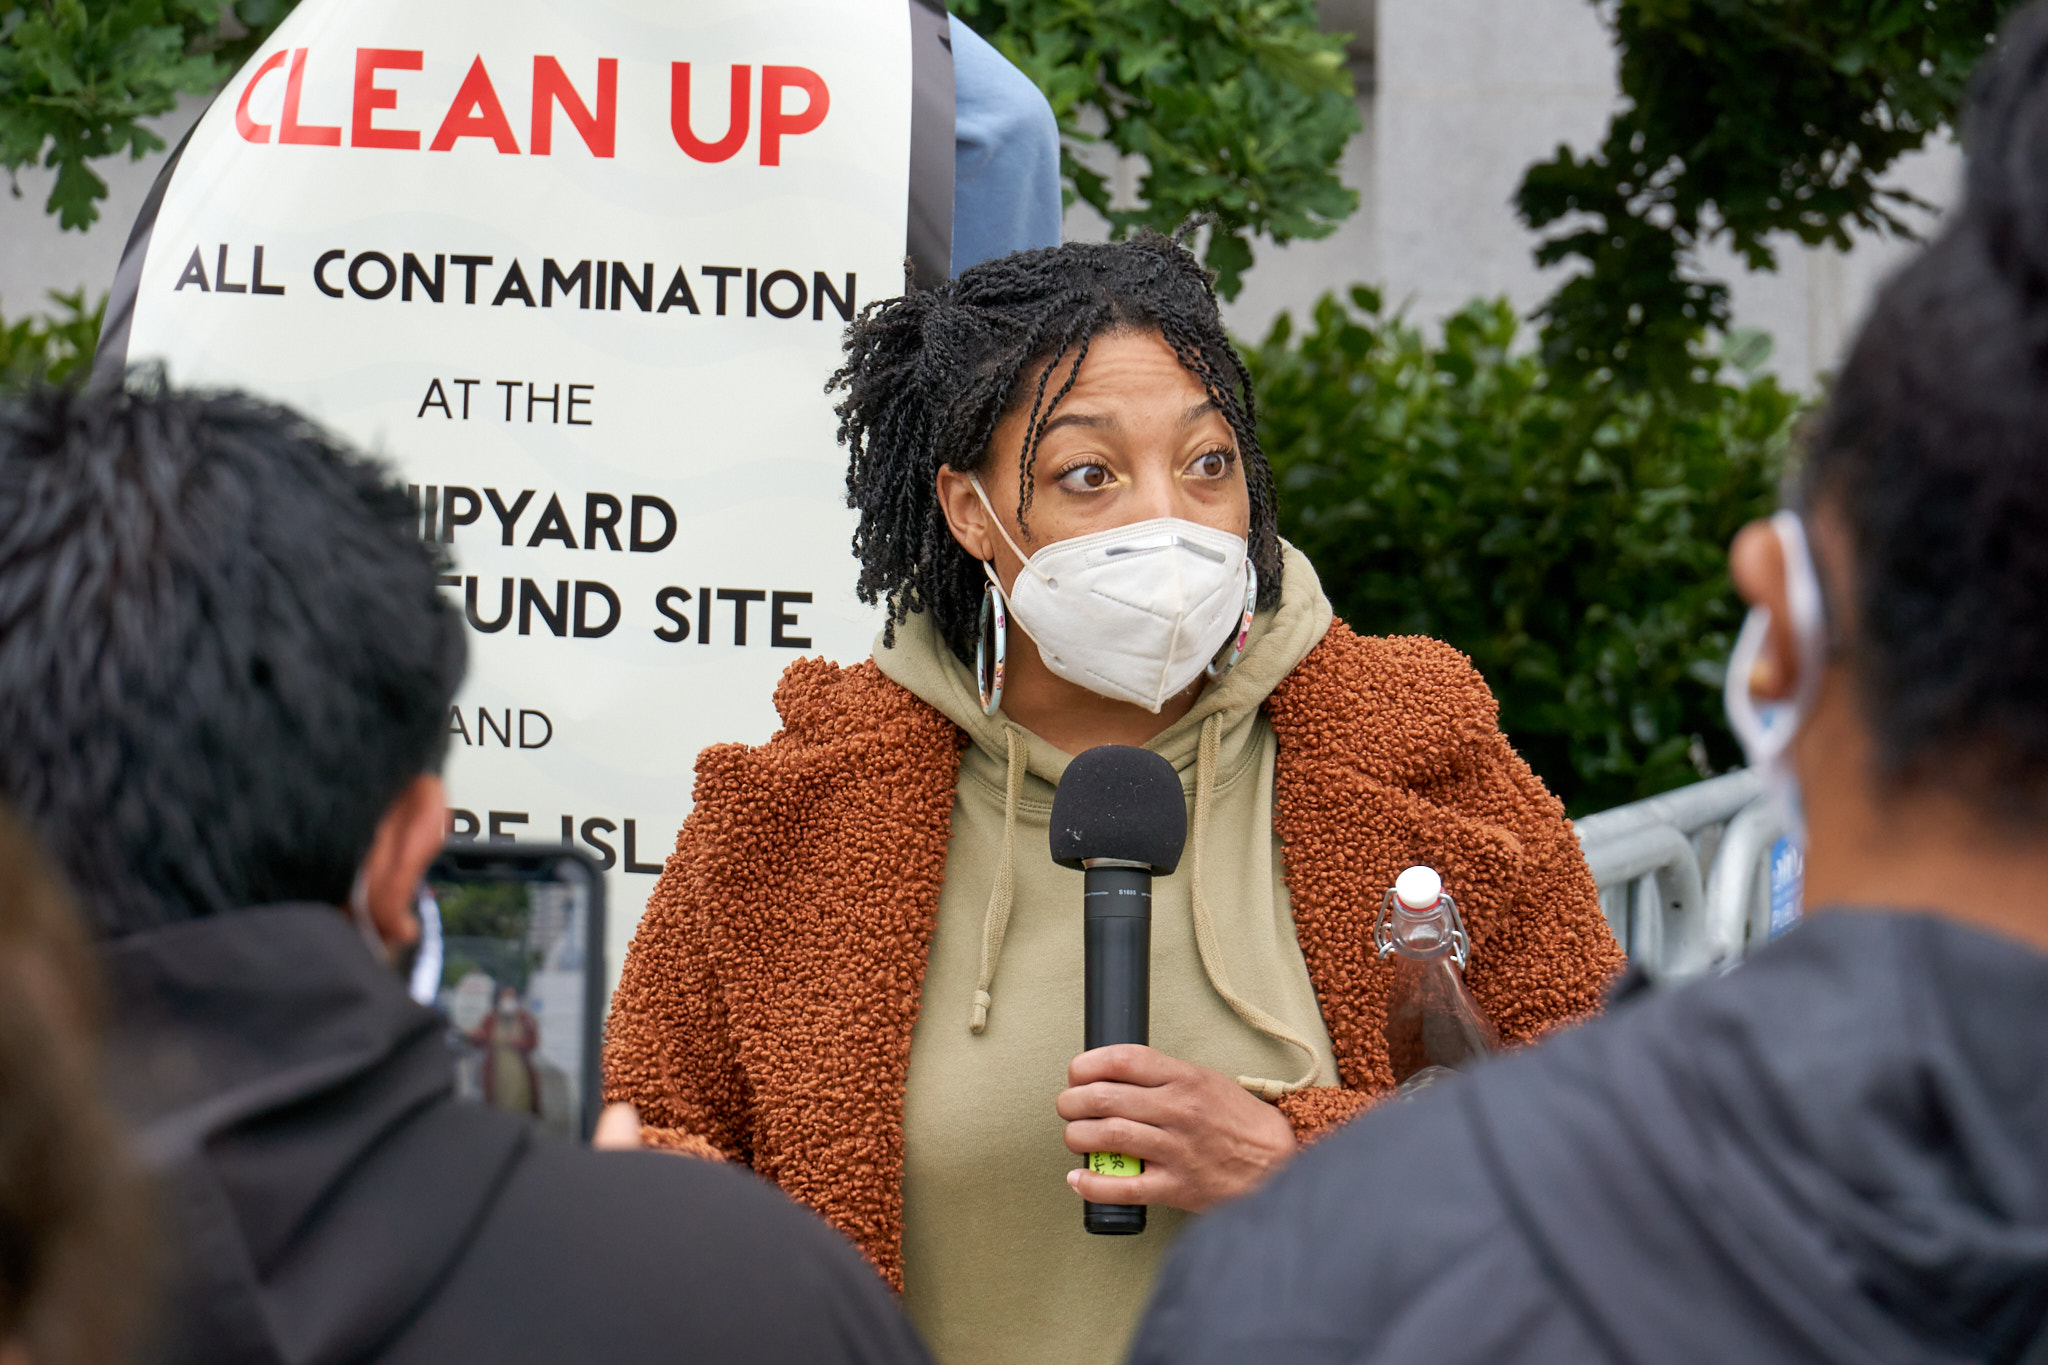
(1685,877)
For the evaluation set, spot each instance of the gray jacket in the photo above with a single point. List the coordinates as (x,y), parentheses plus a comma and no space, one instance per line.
(1837,1153)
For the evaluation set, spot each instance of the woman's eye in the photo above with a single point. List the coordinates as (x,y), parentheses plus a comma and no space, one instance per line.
(1214,464)
(1085,478)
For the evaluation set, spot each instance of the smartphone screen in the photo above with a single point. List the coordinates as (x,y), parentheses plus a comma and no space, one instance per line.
(520,979)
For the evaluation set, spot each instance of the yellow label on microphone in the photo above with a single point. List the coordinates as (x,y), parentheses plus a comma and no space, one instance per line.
(1114,1163)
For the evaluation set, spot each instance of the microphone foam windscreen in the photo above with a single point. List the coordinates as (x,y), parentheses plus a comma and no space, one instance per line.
(1115,801)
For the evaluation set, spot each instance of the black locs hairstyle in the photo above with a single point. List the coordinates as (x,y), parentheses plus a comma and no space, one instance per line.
(222,650)
(1934,452)
(928,377)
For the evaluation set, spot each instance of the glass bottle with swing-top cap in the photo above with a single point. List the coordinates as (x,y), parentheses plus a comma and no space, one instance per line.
(1434,1026)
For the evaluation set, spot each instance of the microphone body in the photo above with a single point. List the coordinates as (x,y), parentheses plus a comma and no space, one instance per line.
(1116,909)
(1119,818)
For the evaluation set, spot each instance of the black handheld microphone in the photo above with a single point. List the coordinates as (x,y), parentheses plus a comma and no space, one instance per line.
(1119,817)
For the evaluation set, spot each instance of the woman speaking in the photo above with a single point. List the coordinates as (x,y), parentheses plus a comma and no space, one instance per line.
(861,971)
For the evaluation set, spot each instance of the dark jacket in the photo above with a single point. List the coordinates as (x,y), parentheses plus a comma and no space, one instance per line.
(1838,1153)
(328,1200)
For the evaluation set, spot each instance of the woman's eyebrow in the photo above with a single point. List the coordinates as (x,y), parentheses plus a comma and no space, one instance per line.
(1107,421)
(1102,421)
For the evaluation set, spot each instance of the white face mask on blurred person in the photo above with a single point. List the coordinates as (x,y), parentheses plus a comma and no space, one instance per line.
(1134,613)
(1765,729)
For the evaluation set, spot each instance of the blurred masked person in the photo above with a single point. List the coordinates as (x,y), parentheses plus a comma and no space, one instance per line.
(73,1238)
(1839,1152)
(861,971)
(225,678)
(508,1035)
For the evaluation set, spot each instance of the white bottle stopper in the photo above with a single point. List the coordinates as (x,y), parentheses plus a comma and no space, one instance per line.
(1419,888)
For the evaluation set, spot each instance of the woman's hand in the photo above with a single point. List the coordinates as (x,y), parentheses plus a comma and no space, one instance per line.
(1202,1136)
(618,1129)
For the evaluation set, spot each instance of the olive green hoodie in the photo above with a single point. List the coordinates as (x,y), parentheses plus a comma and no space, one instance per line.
(997,1269)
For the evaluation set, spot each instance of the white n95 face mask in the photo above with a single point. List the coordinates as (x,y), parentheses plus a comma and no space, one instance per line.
(1765,730)
(1134,613)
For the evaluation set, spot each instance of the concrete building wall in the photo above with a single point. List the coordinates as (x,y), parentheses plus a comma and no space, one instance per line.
(1457,98)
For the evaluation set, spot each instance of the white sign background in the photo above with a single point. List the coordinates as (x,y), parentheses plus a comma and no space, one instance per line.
(723,418)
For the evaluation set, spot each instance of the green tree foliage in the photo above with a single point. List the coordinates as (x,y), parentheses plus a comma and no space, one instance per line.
(1570,537)
(1240,108)
(78,77)
(1741,119)
(487,927)
(57,348)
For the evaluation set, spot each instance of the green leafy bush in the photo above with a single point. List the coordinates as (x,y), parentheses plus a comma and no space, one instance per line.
(78,77)
(1241,109)
(1571,538)
(57,348)
(1748,121)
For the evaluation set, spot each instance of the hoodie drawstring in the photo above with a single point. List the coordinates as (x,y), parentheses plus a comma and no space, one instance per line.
(997,920)
(1205,931)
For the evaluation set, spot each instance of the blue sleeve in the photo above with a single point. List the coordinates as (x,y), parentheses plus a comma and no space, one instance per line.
(1006,156)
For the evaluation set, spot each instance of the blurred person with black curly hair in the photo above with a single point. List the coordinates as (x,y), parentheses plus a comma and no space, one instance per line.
(1839,1151)
(225,680)
(861,973)
(74,1232)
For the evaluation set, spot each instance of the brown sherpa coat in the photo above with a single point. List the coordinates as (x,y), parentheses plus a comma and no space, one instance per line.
(765,1009)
